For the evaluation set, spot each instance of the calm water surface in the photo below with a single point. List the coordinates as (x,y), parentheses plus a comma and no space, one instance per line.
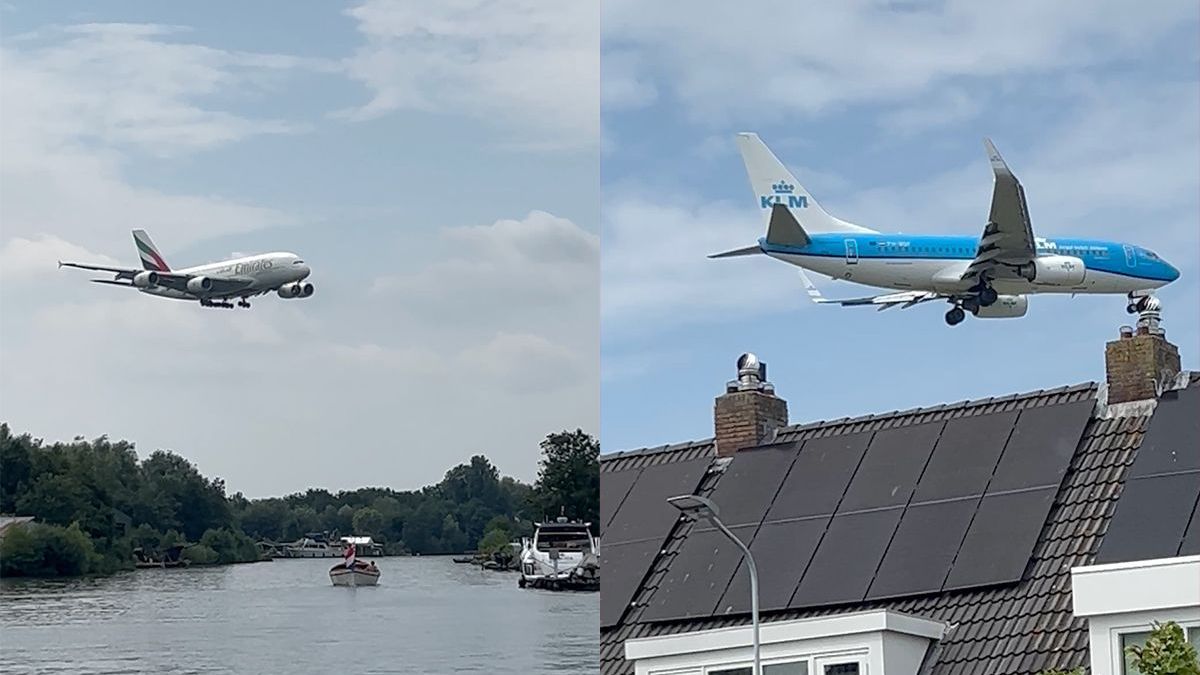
(428,615)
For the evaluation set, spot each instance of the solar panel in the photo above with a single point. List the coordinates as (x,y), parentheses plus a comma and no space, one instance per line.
(698,575)
(614,486)
(920,555)
(965,456)
(624,567)
(645,513)
(819,476)
(1151,518)
(781,551)
(751,481)
(847,558)
(1000,541)
(891,467)
(1191,539)
(1170,443)
(1041,446)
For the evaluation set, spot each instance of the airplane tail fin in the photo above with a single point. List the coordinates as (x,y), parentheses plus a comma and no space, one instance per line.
(778,190)
(151,259)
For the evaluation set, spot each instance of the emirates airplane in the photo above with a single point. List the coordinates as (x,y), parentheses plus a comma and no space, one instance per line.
(990,275)
(213,285)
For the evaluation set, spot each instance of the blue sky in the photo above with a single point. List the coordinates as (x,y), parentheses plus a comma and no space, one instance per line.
(436,166)
(879,108)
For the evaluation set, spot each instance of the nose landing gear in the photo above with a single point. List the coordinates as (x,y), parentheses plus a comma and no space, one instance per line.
(1138,302)
(244,303)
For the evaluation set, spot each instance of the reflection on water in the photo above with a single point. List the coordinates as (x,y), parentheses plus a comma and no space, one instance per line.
(427,615)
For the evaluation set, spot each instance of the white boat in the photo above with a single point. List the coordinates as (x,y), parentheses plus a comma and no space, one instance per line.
(353,572)
(313,545)
(362,574)
(561,556)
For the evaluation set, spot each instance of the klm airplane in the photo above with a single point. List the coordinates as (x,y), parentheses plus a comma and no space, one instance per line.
(989,276)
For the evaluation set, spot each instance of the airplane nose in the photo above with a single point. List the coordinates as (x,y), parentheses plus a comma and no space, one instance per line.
(1173,272)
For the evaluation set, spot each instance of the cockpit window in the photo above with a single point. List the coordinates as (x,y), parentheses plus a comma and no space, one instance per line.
(1150,254)
(298,262)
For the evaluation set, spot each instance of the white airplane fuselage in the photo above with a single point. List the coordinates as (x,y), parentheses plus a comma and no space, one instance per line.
(266,272)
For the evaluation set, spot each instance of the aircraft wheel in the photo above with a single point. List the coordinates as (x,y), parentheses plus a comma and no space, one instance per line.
(971,305)
(988,296)
(1131,308)
(955,316)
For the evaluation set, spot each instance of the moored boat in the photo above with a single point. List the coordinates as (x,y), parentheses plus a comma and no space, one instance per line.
(561,556)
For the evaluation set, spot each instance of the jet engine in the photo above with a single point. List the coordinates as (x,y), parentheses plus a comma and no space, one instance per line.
(1054,270)
(145,279)
(1005,307)
(199,285)
(296,290)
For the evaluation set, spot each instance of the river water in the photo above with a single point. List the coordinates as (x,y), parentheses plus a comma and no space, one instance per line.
(427,615)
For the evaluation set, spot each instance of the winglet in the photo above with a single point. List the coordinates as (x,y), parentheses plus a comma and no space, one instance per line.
(994,157)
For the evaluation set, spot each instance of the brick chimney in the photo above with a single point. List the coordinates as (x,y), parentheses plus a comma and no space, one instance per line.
(749,411)
(1141,362)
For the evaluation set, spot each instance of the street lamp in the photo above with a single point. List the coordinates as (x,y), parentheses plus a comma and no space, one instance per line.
(697,507)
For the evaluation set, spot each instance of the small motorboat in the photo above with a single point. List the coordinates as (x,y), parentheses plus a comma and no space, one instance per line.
(354,572)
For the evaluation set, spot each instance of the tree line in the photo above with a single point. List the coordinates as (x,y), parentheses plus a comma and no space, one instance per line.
(95,502)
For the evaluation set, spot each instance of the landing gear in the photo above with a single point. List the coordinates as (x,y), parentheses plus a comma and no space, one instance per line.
(955,316)
(971,305)
(244,303)
(1138,302)
(211,303)
(988,296)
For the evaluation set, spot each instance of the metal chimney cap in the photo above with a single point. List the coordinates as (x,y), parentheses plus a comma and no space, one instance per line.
(747,361)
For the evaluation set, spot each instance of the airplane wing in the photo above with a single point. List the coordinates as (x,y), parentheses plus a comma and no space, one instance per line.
(903,299)
(172,280)
(1008,237)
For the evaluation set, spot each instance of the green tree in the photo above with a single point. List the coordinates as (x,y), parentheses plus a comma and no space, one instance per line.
(1166,652)
(569,477)
(453,539)
(368,522)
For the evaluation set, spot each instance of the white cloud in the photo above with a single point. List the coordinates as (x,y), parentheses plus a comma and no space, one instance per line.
(24,259)
(524,362)
(541,268)
(530,67)
(80,102)
(653,282)
(723,61)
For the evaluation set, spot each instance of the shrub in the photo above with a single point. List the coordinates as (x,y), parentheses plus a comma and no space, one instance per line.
(200,555)
(39,550)
(1166,652)
(230,546)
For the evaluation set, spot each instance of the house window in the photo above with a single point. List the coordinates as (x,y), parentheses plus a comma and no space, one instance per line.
(791,668)
(1139,638)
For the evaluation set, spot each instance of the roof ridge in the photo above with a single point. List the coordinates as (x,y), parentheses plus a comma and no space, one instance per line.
(870,417)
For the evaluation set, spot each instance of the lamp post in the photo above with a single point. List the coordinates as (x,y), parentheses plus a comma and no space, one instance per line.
(697,507)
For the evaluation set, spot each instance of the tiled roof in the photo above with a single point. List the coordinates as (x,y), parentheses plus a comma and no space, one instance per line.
(1024,627)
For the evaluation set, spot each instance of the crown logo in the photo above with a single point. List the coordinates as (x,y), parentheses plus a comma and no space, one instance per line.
(783,188)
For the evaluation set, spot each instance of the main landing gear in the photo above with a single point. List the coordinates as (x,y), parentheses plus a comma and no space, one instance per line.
(224,304)
(955,316)
(981,296)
